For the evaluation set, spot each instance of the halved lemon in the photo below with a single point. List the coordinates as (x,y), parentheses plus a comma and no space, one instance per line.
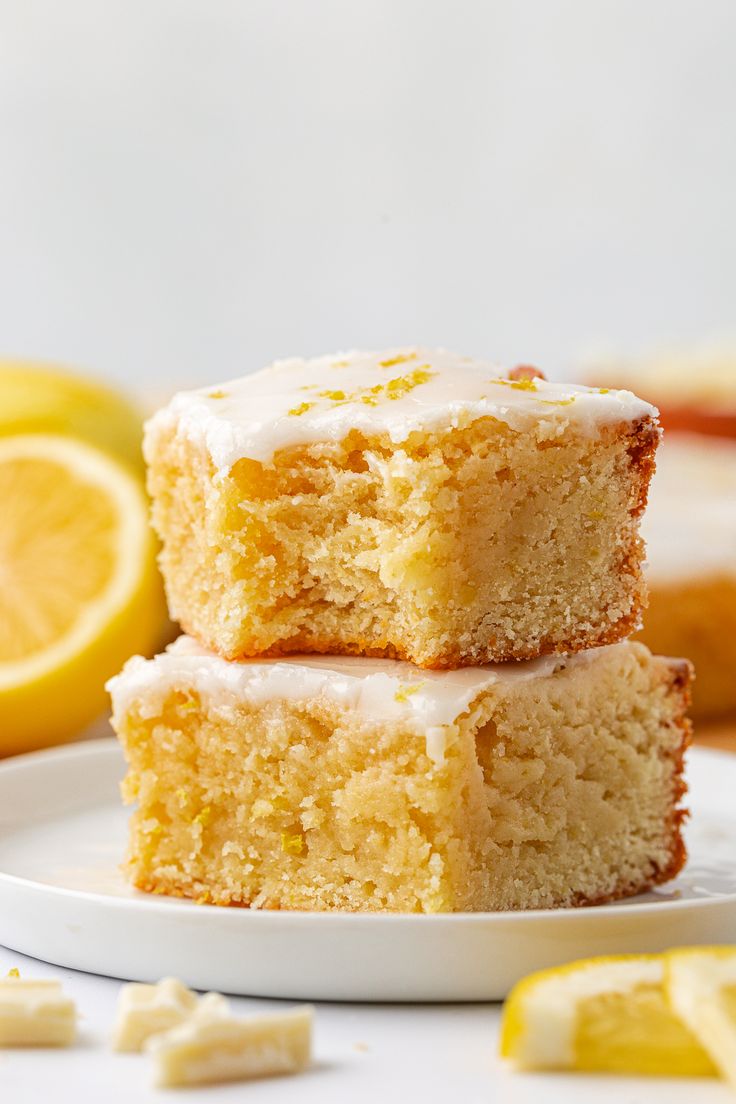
(701,986)
(600,1014)
(44,398)
(79,588)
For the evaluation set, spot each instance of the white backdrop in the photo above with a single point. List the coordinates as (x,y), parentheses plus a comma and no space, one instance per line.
(191,187)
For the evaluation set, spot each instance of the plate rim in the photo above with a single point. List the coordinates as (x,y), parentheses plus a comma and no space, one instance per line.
(104,747)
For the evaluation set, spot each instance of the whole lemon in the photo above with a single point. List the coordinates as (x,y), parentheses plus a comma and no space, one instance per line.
(43,398)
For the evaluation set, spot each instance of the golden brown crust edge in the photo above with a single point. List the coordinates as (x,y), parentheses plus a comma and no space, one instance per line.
(642,452)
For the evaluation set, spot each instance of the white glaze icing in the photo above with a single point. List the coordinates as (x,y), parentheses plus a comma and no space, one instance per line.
(397,391)
(690,523)
(384,689)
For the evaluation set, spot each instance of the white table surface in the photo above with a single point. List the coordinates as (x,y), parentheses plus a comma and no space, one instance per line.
(363,1053)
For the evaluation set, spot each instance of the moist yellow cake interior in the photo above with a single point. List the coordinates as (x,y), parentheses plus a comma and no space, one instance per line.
(480,542)
(558,790)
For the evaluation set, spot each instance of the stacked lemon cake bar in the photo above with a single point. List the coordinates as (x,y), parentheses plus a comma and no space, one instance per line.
(408,579)
(347,783)
(411,504)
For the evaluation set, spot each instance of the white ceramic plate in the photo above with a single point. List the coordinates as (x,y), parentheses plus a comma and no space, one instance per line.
(63,900)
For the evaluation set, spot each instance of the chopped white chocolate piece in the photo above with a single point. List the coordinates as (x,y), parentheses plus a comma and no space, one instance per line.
(209,1049)
(146,1010)
(35,1013)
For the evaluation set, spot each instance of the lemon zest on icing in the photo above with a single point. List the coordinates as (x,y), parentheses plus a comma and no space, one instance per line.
(404,692)
(393,389)
(302,408)
(336,396)
(402,385)
(402,358)
(518,385)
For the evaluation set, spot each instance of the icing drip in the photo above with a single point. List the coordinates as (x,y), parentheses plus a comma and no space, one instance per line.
(383,689)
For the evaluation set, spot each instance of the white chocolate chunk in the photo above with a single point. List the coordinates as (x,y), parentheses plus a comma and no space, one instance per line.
(147,1010)
(35,1013)
(207,1049)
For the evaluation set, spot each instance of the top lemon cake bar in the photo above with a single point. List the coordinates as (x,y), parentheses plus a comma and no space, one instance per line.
(411,503)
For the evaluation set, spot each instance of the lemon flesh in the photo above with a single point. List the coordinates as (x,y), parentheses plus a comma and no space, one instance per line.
(600,1015)
(37,398)
(701,987)
(79,588)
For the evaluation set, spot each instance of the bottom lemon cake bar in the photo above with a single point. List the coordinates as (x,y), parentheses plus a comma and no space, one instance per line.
(371,785)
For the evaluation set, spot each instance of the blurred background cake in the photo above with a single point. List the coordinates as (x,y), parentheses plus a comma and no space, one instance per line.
(690,530)
(693,387)
(690,525)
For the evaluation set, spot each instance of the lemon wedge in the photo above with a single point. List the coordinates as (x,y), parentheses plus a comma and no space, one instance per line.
(600,1014)
(42,398)
(79,588)
(701,986)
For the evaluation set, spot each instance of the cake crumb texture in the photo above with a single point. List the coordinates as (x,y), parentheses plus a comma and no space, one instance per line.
(465,545)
